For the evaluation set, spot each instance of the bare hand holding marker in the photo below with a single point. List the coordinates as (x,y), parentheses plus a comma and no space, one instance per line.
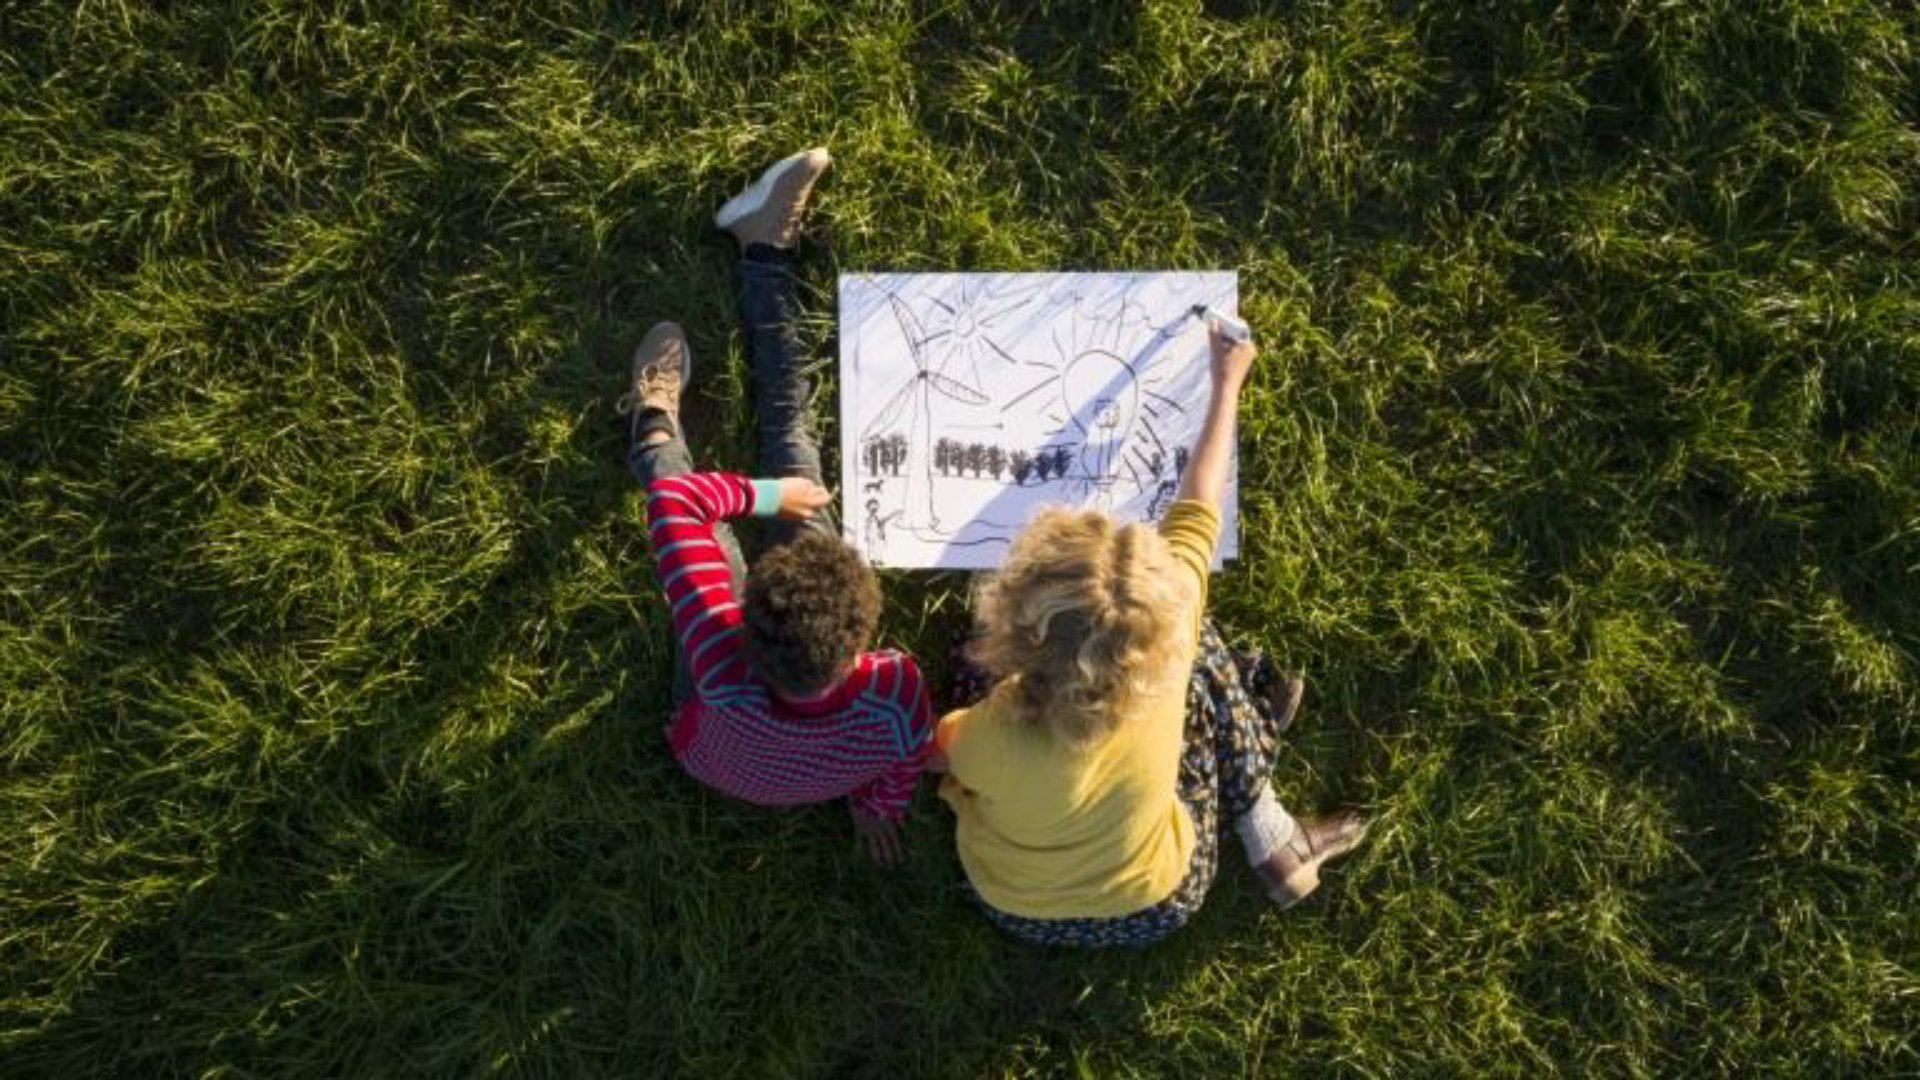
(801,498)
(1225,325)
(1232,357)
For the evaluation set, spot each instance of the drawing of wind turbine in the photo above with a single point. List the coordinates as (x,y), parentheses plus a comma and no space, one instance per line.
(914,402)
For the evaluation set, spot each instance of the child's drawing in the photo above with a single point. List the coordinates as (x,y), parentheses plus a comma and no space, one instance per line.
(970,400)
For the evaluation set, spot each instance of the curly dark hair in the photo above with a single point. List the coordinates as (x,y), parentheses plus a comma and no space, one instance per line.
(811,608)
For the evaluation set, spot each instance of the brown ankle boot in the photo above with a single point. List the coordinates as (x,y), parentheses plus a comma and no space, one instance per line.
(1275,693)
(1292,873)
(769,211)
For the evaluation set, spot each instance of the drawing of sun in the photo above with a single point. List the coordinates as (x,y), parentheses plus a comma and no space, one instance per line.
(1101,394)
(959,333)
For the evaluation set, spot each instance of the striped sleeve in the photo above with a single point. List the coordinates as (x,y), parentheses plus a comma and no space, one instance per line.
(681,514)
(901,696)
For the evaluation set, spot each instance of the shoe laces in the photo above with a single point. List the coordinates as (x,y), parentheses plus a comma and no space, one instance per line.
(659,379)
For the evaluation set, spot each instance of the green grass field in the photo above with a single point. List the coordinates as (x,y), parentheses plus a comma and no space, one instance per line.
(1581,475)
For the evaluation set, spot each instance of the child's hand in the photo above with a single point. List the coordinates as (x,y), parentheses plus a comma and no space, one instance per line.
(801,498)
(880,836)
(1231,359)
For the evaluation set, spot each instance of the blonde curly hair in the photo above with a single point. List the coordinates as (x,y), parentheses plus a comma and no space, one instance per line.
(1084,615)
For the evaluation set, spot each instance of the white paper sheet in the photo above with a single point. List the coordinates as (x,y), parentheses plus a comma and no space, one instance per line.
(970,400)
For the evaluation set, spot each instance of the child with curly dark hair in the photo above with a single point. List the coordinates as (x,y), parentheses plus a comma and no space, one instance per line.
(778,701)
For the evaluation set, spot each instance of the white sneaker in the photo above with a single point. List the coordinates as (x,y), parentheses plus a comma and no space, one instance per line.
(770,209)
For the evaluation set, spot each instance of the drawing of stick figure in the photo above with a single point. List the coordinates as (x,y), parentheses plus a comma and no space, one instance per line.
(876,532)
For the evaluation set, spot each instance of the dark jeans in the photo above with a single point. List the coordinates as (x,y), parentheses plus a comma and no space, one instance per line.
(782,392)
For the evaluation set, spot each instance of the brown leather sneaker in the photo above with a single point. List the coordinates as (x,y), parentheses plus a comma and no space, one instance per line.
(1293,873)
(770,209)
(662,367)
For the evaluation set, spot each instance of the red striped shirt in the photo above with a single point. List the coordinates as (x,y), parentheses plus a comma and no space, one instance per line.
(863,739)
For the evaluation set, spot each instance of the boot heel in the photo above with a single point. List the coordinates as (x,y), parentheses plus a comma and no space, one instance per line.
(1296,888)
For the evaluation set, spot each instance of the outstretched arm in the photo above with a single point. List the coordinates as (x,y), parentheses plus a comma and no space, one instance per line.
(681,514)
(1206,471)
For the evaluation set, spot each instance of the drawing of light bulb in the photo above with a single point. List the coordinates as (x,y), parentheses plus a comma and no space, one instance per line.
(1100,392)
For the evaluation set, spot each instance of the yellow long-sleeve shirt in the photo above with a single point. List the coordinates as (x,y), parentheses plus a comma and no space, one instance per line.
(1051,831)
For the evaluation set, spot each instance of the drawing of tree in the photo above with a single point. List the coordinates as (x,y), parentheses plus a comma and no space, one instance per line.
(996,461)
(1043,466)
(871,454)
(943,456)
(1020,463)
(976,458)
(1179,461)
(897,443)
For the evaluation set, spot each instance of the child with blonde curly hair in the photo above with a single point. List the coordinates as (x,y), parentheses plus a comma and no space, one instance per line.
(1090,782)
